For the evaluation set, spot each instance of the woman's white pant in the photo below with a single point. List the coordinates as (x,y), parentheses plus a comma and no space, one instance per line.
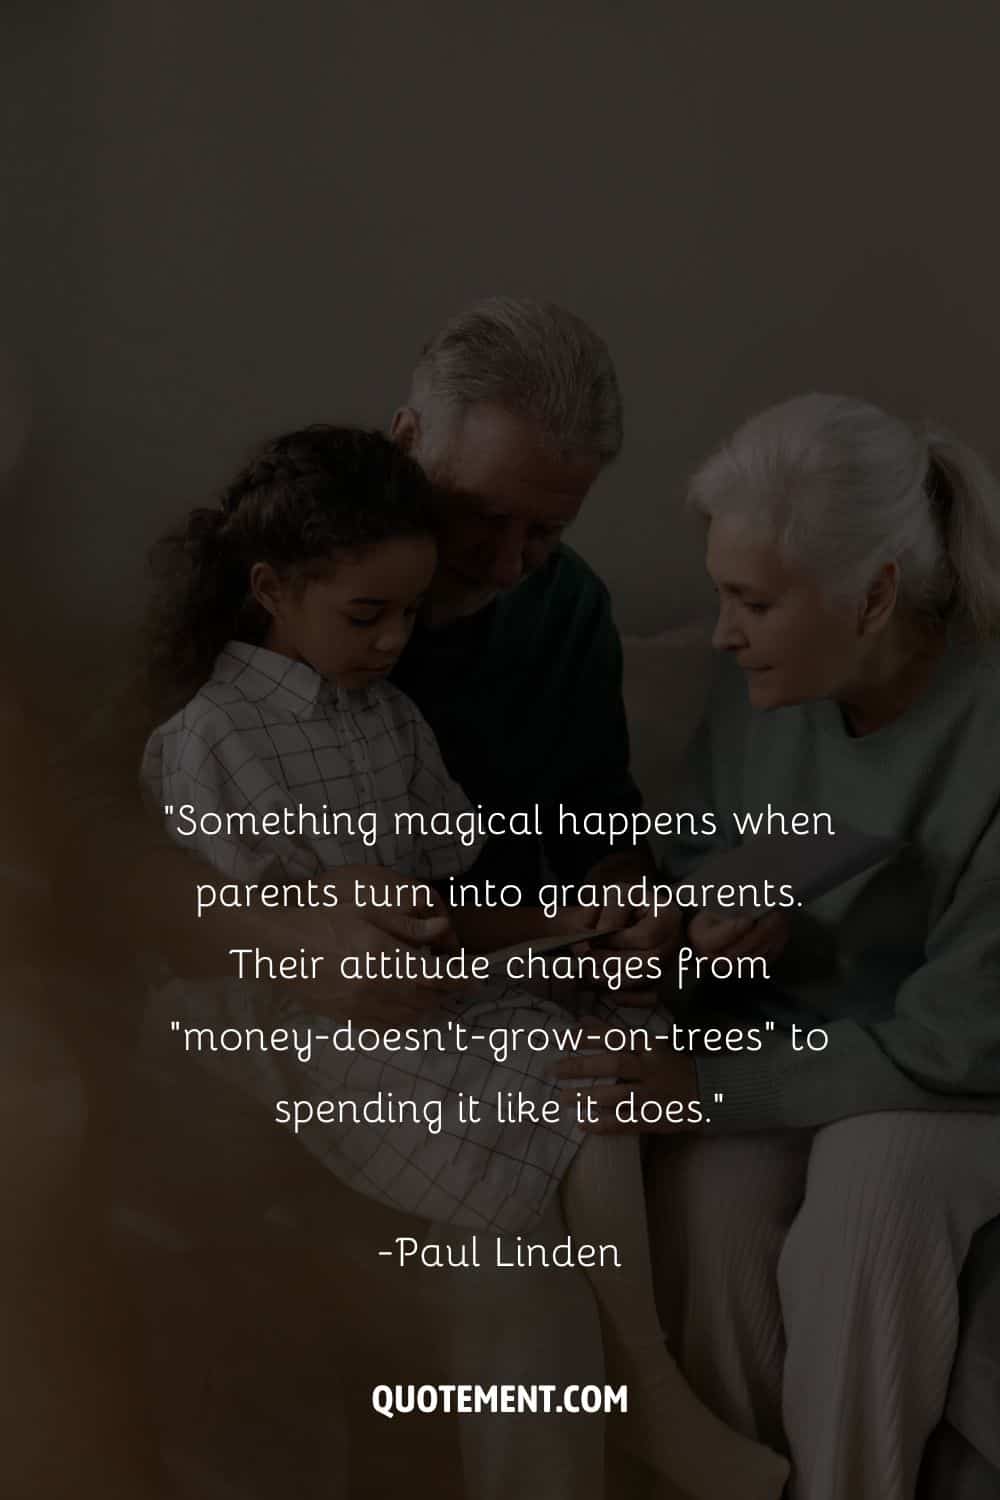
(809,1284)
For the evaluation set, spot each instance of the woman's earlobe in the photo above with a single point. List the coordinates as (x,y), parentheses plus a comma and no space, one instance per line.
(880,602)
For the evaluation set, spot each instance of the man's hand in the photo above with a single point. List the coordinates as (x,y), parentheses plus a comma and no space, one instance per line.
(663,1076)
(648,933)
(634,930)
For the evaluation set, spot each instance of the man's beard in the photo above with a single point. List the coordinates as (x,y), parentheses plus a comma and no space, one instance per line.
(454,598)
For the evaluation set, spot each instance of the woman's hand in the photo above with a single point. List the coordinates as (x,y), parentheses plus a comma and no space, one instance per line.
(637,932)
(715,936)
(661,1077)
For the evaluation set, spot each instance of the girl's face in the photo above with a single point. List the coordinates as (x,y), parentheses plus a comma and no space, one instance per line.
(792,643)
(352,623)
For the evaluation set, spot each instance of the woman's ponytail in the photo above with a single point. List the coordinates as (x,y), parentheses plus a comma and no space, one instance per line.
(966,497)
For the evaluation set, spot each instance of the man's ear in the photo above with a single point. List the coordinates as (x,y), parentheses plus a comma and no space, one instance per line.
(879,603)
(405,429)
(265,585)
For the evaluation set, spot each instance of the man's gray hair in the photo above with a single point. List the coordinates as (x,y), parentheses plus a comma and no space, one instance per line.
(535,360)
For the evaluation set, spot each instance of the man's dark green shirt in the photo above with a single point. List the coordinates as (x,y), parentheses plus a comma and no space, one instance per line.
(525,698)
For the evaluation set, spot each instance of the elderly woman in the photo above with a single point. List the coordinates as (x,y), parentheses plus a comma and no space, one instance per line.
(813,1233)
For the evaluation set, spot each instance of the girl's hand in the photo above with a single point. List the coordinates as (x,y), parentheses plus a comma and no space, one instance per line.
(413,920)
(713,935)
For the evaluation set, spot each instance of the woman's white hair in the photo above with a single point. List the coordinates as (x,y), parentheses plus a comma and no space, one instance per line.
(535,360)
(842,488)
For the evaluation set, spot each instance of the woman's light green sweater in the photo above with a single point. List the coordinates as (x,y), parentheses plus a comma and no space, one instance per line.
(900,965)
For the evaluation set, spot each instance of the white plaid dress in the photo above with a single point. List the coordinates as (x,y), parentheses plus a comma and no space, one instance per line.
(268,734)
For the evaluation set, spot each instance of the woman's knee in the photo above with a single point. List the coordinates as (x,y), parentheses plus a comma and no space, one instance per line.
(905,1163)
(887,1188)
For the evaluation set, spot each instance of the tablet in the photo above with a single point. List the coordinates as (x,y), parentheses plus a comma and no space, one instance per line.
(812,864)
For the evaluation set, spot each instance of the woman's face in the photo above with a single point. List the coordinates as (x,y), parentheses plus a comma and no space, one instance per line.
(791,642)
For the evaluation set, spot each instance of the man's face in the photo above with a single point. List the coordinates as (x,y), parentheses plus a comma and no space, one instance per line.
(503,500)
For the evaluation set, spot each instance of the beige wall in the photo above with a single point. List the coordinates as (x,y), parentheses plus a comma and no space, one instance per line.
(225,216)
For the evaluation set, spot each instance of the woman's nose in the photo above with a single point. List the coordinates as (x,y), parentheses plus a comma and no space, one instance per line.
(726,636)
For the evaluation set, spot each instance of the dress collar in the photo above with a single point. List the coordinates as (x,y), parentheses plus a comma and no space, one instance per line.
(264,676)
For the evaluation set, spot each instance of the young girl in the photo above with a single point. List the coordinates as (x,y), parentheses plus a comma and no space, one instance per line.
(290,602)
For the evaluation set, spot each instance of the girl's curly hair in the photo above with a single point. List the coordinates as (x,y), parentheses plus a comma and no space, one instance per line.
(303,499)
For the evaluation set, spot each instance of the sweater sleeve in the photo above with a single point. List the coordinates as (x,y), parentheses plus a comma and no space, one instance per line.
(940,1050)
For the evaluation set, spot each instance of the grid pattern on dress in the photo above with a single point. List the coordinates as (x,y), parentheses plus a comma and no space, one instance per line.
(267,733)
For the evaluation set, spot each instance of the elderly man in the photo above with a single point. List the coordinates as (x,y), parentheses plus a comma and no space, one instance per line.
(514,411)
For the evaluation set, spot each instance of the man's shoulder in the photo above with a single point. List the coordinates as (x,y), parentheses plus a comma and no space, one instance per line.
(572,574)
